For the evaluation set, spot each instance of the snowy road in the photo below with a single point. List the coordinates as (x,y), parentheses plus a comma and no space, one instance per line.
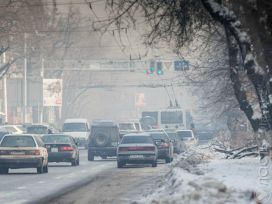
(99,177)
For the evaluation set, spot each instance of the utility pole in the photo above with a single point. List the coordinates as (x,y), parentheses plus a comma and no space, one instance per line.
(25,81)
(5,91)
(42,76)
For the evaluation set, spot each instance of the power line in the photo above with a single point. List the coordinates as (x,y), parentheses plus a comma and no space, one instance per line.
(86,3)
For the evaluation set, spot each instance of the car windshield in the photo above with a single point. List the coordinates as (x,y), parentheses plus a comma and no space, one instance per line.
(37,129)
(205,135)
(18,141)
(172,135)
(159,136)
(56,139)
(137,140)
(184,134)
(126,126)
(10,129)
(74,127)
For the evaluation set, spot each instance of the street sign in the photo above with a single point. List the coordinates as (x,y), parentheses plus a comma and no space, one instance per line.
(52,92)
(181,65)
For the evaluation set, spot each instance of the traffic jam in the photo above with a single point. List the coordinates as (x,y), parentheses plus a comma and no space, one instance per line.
(130,142)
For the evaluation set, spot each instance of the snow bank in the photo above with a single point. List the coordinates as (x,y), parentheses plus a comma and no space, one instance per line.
(196,178)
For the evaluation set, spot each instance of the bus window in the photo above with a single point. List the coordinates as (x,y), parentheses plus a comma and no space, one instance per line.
(171,117)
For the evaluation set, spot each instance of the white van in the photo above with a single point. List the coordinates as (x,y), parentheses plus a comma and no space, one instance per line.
(78,128)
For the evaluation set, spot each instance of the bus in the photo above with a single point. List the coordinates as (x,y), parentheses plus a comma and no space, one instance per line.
(171,118)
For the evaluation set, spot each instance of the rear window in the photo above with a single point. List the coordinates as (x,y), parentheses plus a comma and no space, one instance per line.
(172,135)
(127,126)
(37,130)
(56,139)
(75,127)
(18,141)
(136,140)
(159,136)
(184,134)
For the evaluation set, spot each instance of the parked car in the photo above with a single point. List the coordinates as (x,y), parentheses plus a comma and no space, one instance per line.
(126,128)
(78,128)
(13,129)
(61,148)
(179,145)
(187,136)
(204,137)
(40,129)
(23,151)
(137,148)
(3,133)
(103,140)
(164,144)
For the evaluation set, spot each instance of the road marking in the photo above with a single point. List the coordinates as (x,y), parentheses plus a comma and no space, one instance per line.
(58,177)
(41,182)
(21,187)
(83,171)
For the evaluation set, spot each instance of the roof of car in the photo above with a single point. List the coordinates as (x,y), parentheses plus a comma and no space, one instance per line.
(76,120)
(136,134)
(22,135)
(105,123)
(56,134)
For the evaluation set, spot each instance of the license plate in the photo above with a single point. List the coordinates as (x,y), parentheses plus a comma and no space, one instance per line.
(136,156)
(54,149)
(17,153)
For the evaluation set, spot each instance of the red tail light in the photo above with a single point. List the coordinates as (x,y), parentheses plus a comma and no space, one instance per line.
(164,145)
(34,152)
(4,152)
(123,149)
(66,148)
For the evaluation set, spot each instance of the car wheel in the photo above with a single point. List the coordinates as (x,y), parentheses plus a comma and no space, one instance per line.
(78,161)
(120,164)
(167,160)
(45,169)
(74,162)
(154,164)
(40,170)
(4,171)
(90,156)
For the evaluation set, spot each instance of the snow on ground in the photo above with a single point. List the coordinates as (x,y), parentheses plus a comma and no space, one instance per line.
(201,176)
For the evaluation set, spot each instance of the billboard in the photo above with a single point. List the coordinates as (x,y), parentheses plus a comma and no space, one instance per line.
(52,92)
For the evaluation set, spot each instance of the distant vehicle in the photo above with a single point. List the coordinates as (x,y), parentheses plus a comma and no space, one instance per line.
(23,151)
(40,129)
(61,148)
(137,148)
(79,129)
(103,140)
(173,118)
(3,133)
(126,128)
(12,129)
(187,136)
(204,137)
(179,145)
(164,144)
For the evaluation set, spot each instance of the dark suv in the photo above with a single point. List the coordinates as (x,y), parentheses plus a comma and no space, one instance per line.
(103,140)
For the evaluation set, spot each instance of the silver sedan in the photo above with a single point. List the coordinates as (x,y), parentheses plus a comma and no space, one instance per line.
(137,149)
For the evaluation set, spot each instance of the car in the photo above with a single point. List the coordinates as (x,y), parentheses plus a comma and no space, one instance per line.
(179,145)
(3,133)
(12,129)
(187,136)
(103,140)
(40,129)
(78,128)
(61,148)
(137,148)
(23,151)
(164,144)
(126,128)
(204,137)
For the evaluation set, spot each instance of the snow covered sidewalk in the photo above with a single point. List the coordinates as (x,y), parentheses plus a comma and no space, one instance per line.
(199,177)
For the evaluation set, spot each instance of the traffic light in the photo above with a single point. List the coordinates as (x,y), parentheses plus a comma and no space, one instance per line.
(151,68)
(159,68)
